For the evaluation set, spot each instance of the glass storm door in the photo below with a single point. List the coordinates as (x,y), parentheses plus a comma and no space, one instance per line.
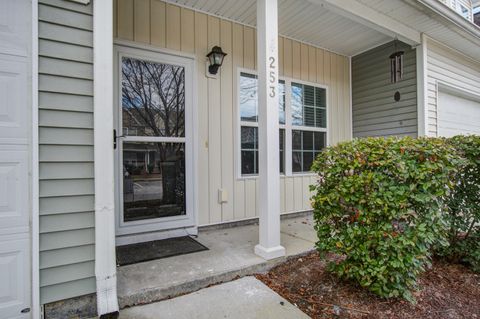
(153,141)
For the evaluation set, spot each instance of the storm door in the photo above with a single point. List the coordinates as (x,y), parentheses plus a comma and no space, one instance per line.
(153,141)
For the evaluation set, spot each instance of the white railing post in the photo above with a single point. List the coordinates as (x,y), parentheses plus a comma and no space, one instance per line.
(105,265)
(268,130)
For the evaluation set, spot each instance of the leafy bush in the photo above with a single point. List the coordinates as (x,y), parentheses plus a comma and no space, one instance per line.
(377,205)
(464,206)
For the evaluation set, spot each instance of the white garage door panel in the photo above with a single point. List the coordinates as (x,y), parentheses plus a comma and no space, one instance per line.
(13,191)
(14,278)
(15,156)
(457,115)
(14,25)
(13,102)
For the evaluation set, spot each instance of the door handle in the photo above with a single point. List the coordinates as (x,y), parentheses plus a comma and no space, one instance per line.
(115,137)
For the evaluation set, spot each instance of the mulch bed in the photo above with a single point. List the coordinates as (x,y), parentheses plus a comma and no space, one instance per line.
(447,291)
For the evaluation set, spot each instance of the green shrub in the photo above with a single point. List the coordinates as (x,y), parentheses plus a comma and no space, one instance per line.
(464,206)
(377,206)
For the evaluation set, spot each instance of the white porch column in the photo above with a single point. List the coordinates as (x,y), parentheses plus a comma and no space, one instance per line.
(268,140)
(105,266)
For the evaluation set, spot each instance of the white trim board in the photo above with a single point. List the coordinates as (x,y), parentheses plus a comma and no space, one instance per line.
(35,218)
(105,261)
(458,91)
(422,87)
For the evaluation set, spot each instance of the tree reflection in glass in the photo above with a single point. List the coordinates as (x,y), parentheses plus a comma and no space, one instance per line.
(153,105)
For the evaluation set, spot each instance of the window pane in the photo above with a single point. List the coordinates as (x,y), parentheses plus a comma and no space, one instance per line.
(320,140)
(321,117)
(296,140)
(249,150)
(306,145)
(281,102)
(309,98)
(309,116)
(297,104)
(307,141)
(248,97)
(282,138)
(153,98)
(248,162)
(307,161)
(282,162)
(282,148)
(153,180)
(296,162)
(249,137)
(320,97)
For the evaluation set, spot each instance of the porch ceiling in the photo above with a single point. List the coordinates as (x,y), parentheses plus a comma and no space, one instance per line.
(301,20)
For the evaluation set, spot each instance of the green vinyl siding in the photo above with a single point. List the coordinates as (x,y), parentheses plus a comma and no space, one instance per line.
(374,110)
(67,250)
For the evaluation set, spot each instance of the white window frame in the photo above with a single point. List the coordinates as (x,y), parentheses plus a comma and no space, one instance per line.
(288,126)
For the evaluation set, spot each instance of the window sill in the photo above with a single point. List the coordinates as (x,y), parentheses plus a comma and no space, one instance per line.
(250,177)
(303,174)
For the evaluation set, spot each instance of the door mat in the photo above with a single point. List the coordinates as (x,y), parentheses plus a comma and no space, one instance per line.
(150,250)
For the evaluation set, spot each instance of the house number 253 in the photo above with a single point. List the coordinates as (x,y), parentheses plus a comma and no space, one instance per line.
(272,78)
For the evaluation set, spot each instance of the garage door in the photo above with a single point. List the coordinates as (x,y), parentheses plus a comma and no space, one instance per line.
(15,156)
(458,113)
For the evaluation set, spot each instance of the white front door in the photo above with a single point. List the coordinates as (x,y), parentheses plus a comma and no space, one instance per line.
(15,156)
(154,150)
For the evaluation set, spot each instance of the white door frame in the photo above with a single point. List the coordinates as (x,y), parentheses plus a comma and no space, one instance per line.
(165,223)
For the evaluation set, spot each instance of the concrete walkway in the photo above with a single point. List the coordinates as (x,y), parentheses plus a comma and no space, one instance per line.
(230,255)
(245,298)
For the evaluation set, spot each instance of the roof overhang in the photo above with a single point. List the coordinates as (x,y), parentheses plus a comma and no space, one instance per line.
(435,20)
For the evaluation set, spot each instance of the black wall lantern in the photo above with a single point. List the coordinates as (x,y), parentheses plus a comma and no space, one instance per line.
(396,64)
(215,58)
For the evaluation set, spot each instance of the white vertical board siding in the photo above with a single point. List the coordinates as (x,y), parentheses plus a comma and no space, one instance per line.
(66,150)
(375,112)
(187,31)
(448,67)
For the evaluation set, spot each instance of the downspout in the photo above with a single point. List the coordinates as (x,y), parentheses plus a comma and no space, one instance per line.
(105,265)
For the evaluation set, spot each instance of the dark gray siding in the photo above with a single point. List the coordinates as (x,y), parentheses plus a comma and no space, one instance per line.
(67,248)
(375,112)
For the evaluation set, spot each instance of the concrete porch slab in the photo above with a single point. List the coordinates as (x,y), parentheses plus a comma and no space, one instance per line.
(230,255)
(243,298)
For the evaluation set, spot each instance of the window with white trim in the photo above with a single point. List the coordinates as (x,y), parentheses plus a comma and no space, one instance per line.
(248,100)
(303,120)
(309,124)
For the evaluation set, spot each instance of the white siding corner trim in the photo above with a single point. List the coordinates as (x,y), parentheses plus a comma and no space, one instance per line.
(36,311)
(422,91)
(105,266)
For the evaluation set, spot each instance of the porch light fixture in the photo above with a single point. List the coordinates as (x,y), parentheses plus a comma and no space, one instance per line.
(215,58)
(396,64)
